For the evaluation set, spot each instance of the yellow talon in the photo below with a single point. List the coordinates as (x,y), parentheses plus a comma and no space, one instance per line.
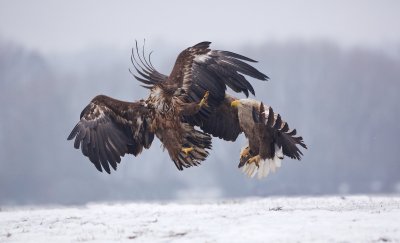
(244,156)
(255,159)
(245,152)
(187,150)
(204,100)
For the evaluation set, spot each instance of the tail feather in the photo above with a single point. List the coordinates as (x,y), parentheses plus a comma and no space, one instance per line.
(263,170)
(200,142)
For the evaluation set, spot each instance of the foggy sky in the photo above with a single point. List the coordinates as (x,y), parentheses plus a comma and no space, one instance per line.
(65,26)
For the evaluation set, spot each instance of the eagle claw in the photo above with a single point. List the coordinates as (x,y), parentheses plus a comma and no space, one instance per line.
(204,100)
(245,152)
(254,159)
(187,150)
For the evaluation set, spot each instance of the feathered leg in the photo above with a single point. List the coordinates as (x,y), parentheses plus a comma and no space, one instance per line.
(190,109)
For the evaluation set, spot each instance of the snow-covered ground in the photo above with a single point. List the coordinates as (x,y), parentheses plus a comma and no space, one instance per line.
(277,219)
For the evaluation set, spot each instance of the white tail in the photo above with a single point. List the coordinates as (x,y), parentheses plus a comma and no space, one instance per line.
(265,166)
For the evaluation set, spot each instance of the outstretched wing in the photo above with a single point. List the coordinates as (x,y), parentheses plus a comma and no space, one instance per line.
(279,131)
(199,69)
(109,128)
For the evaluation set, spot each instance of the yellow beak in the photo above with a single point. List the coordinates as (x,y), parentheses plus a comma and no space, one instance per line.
(235,103)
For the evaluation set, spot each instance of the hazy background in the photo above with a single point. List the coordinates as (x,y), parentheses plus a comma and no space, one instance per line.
(335,76)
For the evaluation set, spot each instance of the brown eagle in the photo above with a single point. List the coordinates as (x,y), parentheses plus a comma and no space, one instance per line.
(193,95)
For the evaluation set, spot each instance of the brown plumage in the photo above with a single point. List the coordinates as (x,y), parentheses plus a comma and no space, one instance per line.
(192,95)
(268,136)
(109,129)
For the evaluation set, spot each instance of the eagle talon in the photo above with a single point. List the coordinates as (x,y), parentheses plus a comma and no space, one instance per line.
(204,100)
(245,152)
(244,156)
(255,159)
(187,150)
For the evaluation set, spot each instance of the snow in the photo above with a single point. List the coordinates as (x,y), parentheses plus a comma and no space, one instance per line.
(277,219)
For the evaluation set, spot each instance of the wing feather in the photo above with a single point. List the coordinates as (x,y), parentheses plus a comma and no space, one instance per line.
(199,69)
(223,122)
(149,75)
(109,129)
(278,130)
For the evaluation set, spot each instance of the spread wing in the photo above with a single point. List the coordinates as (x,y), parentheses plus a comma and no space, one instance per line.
(278,131)
(109,129)
(199,69)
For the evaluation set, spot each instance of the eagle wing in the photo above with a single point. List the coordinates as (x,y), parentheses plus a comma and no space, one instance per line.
(143,66)
(199,69)
(277,131)
(109,128)
(224,121)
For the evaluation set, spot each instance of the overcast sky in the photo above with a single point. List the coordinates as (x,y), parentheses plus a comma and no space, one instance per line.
(64,26)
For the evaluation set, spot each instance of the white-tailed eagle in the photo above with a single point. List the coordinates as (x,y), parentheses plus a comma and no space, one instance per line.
(269,138)
(193,95)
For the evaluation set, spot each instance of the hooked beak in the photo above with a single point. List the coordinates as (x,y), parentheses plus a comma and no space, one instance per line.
(235,103)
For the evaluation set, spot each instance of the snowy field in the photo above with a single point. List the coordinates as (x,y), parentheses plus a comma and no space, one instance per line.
(277,219)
